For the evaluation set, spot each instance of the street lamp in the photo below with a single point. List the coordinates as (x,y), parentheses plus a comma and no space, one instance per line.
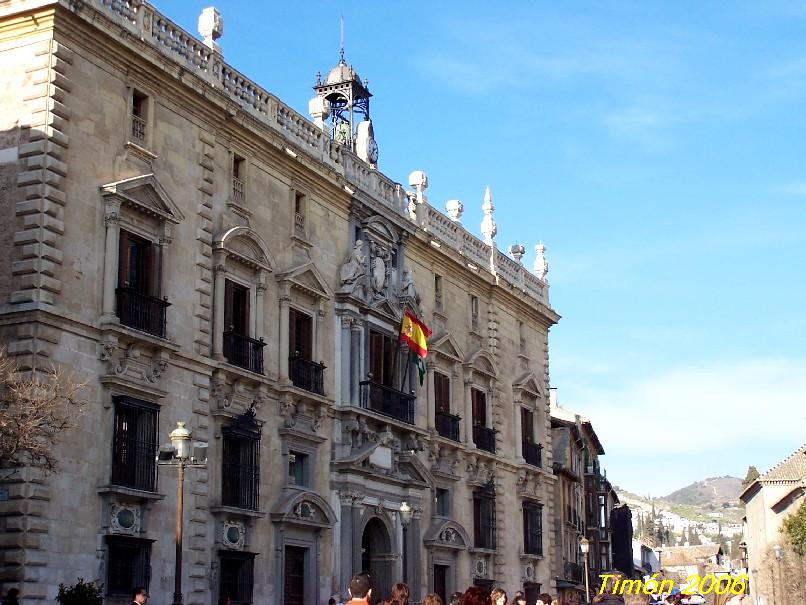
(584,547)
(405,519)
(178,454)
(779,554)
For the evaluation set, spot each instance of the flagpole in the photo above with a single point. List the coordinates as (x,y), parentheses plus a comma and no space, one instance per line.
(397,352)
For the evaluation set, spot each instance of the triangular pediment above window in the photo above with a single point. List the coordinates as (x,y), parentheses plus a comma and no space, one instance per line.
(417,472)
(245,245)
(446,345)
(384,308)
(309,279)
(528,384)
(144,194)
(481,361)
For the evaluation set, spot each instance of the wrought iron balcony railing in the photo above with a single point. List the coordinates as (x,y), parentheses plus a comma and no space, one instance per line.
(307,375)
(484,438)
(447,425)
(387,401)
(243,351)
(141,311)
(533,453)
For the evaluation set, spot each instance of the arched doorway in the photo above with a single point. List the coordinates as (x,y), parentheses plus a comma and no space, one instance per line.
(377,557)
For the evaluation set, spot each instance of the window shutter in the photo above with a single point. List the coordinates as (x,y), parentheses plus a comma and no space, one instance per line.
(123,259)
(229,295)
(305,343)
(293,347)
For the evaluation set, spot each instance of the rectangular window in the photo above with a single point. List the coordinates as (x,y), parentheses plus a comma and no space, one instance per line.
(438,292)
(298,468)
(139,116)
(236,576)
(474,313)
(442,392)
(301,335)
(128,565)
(484,518)
(479,403)
(382,351)
(527,426)
(532,528)
(137,265)
(236,308)
(442,502)
(299,213)
(240,470)
(238,178)
(134,447)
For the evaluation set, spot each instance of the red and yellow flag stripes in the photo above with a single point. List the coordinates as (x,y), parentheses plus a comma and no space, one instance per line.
(415,334)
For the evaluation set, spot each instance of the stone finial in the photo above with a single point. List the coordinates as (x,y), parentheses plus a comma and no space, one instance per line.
(211,27)
(319,109)
(455,208)
(541,266)
(419,180)
(488,226)
(517,251)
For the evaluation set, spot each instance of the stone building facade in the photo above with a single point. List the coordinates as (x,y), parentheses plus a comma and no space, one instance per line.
(199,252)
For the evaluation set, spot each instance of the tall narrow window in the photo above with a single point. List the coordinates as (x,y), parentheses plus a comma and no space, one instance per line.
(236,576)
(298,468)
(532,528)
(527,426)
(240,471)
(442,502)
(128,565)
(137,294)
(139,117)
(238,178)
(134,444)
(382,351)
(484,517)
(479,402)
(294,575)
(474,313)
(240,348)
(442,392)
(438,292)
(301,335)
(299,213)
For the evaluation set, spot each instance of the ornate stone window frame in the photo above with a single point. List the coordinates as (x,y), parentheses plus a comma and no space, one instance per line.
(526,394)
(481,373)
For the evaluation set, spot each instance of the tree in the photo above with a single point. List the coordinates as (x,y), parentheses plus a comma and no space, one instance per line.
(794,527)
(752,475)
(81,593)
(36,409)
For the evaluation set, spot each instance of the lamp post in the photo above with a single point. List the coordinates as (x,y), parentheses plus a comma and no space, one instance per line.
(779,554)
(584,547)
(178,454)
(405,519)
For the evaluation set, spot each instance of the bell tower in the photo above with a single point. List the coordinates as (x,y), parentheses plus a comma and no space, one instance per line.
(342,102)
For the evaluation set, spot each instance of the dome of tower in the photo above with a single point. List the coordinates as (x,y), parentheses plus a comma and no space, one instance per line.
(342,73)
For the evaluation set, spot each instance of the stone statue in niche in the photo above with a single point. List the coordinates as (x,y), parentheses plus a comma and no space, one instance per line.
(378,268)
(407,289)
(353,267)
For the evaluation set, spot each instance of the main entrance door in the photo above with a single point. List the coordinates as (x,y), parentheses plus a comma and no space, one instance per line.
(376,558)
(294,581)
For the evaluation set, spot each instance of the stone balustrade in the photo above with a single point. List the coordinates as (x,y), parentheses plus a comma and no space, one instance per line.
(172,41)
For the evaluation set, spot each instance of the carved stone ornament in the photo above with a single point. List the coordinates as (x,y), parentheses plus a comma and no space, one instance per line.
(306,511)
(233,534)
(124,519)
(354,266)
(449,536)
(130,363)
(480,568)
(380,261)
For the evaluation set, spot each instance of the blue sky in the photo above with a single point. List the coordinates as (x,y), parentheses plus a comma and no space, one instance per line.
(658,149)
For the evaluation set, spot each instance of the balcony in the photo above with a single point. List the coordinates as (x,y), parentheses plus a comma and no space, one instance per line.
(573,572)
(138,129)
(484,438)
(307,375)
(237,190)
(447,425)
(141,311)
(533,453)
(387,401)
(243,351)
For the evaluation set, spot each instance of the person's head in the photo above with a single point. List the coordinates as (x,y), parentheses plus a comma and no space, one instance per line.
(13,594)
(359,587)
(475,595)
(432,599)
(498,597)
(140,595)
(456,598)
(519,598)
(224,600)
(544,598)
(331,601)
(400,594)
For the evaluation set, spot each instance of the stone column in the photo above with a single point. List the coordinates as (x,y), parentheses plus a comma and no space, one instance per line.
(346,531)
(345,360)
(319,334)
(431,421)
(415,556)
(356,331)
(260,305)
(220,272)
(469,410)
(285,300)
(111,259)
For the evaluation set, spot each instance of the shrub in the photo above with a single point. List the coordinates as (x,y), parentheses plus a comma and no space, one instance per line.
(81,593)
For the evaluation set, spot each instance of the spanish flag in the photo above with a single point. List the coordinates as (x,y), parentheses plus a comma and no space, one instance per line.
(415,334)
